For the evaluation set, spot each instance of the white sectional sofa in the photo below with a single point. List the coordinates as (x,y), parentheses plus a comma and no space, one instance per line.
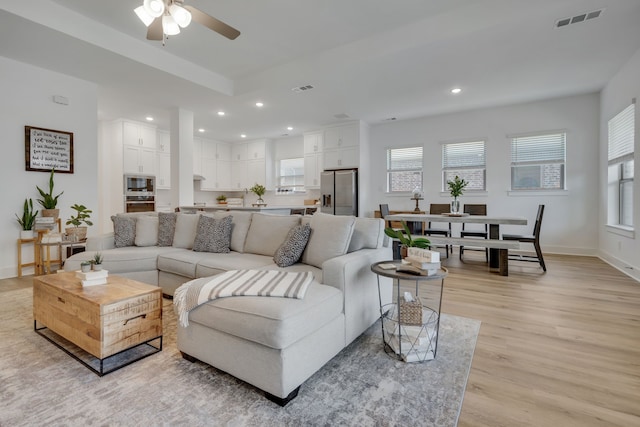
(272,343)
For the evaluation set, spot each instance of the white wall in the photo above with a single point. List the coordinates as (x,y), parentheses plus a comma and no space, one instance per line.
(621,249)
(27,93)
(571,218)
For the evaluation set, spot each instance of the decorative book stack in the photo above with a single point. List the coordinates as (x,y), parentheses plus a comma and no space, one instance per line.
(424,259)
(45,223)
(91,278)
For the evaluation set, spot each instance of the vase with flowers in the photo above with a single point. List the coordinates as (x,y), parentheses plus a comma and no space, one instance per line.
(455,188)
(259,191)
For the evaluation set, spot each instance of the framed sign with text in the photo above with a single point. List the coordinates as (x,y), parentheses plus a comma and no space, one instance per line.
(47,149)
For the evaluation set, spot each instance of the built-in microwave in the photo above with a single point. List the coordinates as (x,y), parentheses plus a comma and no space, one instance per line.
(139,185)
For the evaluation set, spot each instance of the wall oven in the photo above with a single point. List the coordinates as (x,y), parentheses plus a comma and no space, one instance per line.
(139,193)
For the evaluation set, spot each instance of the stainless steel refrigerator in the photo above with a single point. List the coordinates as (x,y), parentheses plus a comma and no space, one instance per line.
(339,189)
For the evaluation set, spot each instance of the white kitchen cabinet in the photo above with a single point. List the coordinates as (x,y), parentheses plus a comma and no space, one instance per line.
(163,141)
(313,142)
(312,170)
(215,166)
(138,134)
(139,160)
(239,178)
(252,162)
(256,150)
(341,147)
(239,151)
(163,175)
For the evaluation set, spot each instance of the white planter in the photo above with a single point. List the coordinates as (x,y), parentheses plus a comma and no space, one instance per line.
(26,234)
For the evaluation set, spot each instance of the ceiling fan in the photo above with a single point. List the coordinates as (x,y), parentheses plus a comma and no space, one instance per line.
(166,17)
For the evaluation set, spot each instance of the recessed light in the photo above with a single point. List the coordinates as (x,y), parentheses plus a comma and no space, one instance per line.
(243,135)
(221,113)
(259,104)
(149,118)
(289,128)
(200,130)
(456,90)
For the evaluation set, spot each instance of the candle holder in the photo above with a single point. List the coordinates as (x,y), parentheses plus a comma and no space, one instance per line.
(417,199)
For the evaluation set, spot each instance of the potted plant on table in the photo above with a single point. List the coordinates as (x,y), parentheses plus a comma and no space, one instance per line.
(259,191)
(48,200)
(27,220)
(222,199)
(403,235)
(455,188)
(79,232)
(97,261)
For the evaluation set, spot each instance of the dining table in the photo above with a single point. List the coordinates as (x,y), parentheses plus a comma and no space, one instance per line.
(494,223)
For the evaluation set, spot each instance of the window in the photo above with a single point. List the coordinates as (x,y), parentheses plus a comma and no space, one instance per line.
(466,160)
(621,165)
(291,176)
(537,162)
(404,169)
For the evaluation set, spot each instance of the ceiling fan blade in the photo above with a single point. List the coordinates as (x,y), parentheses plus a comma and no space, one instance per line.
(154,32)
(208,21)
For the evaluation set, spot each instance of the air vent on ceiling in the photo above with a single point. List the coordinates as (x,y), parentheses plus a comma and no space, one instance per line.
(563,22)
(302,88)
(341,116)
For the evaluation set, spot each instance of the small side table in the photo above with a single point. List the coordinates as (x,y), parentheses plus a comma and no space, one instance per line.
(411,341)
(22,265)
(44,266)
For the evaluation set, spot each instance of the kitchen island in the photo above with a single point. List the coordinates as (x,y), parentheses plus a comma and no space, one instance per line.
(273,210)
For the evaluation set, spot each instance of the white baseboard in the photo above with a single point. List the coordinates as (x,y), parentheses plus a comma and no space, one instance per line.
(618,264)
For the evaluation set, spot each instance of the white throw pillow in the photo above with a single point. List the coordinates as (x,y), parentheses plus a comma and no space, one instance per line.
(367,233)
(268,232)
(186,229)
(146,231)
(240,227)
(330,237)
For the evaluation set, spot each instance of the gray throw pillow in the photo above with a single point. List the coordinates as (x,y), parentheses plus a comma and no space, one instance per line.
(166,228)
(124,230)
(213,235)
(291,249)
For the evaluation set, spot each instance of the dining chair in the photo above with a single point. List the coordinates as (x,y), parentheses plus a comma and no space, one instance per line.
(437,209)
(534,239)
(395,246)
(384,211)
(475,209)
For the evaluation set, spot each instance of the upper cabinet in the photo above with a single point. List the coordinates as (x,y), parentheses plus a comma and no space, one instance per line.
(341,146)
(251,163)
(313,158)
(215,164)
(139,147)
(163,160)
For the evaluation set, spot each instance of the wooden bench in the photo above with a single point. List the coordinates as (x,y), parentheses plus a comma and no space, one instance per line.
(502,245)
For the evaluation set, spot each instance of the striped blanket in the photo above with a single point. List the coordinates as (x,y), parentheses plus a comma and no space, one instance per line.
(270,283)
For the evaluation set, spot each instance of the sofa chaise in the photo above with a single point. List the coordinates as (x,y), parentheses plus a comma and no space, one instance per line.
(272,343)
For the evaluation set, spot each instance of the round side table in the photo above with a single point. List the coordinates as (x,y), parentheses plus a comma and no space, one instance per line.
(410,329)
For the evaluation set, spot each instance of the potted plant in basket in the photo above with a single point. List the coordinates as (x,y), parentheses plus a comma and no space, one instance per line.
(259,191)
(28,219)
(79,232)
(455,187)
(404,237)
(48,200)
(222,199)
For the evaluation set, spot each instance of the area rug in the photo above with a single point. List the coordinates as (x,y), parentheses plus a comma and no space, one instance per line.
(361,386)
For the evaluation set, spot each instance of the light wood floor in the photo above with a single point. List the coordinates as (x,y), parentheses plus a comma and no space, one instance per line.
(560,348)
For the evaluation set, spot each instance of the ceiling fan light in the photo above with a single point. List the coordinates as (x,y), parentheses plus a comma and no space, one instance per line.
(143,15)
(169,26)
(154,8)
(181,15)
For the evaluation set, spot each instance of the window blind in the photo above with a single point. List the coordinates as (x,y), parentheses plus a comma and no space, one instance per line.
(549,148)
(621,135)
(404,159)
(461,155)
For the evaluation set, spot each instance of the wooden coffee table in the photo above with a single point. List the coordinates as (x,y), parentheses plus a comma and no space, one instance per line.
(105,327)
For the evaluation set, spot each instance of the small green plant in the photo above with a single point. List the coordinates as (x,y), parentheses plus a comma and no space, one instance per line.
(258,190)
(82,216)
(404,236)
(221,198)
(456,186)
(28,216)
(97,258)
(48,201)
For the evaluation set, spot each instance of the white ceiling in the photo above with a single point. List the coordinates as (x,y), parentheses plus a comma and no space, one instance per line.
(368,59)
